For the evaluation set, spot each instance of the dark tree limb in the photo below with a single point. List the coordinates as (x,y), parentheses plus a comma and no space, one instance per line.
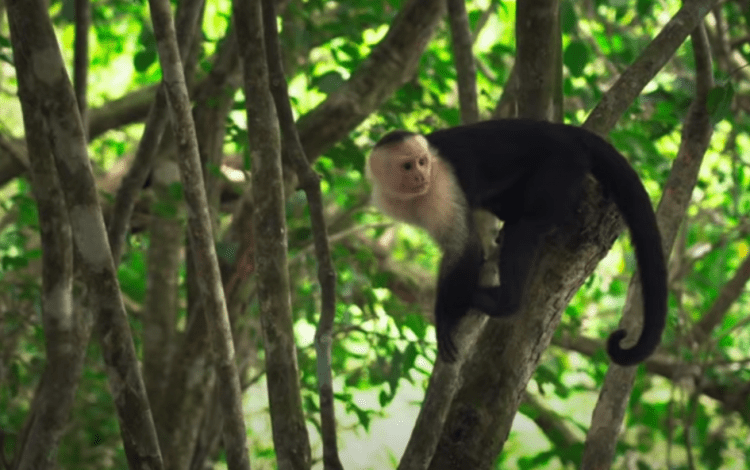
(463,57)
(732,396)
(483,19)
(294,156)
(48,98)
(66,335)
(161,304)
(728,295)
(191,380)
(610,409)
(507,105)
(537,53)
(291,442)
(553,425)
(444,383)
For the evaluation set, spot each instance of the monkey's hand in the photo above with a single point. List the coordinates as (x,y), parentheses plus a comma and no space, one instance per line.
(445,325)
(494,301)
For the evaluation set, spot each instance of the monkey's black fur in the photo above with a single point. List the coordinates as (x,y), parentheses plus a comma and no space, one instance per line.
(530,175)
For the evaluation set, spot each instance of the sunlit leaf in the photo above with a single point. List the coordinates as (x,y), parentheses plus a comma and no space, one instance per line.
(575,57)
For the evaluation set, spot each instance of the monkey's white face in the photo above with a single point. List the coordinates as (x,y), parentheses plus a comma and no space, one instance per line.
(402,170)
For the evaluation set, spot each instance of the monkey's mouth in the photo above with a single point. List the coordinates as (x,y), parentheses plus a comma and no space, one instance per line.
(419,188)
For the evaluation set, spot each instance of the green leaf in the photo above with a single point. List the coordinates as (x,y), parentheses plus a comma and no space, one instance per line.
(719,100)
(144,59)
(9,263)
(417,324)
(329,82)
(383,398)
(410,357)
(5,44)
(644,7)
(576,57)
(568,17)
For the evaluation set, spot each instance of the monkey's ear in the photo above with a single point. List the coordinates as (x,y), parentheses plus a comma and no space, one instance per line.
(379,165)
(421,141)
(373,167)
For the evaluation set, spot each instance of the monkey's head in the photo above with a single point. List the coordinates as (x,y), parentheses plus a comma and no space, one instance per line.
(400,165)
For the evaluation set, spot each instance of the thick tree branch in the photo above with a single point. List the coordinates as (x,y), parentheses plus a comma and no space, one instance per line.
(732,397)
(729,294)
(463,56)
(291,442)
(47,95)
(190,383)
(537,53)
(66,335)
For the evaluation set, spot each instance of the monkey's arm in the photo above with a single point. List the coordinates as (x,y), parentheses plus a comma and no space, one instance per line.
(457,282)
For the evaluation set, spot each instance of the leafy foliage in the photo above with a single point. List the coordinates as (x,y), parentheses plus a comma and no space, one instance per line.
(384,344)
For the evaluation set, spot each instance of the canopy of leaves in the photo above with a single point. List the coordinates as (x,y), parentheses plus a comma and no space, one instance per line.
(687,410)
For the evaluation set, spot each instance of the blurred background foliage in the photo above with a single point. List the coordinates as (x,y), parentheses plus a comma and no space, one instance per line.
(384,343)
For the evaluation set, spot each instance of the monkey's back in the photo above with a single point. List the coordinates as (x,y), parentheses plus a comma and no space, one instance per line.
(494,160)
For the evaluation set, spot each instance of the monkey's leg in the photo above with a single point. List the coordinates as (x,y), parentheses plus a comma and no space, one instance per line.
(518,253)
(549,198)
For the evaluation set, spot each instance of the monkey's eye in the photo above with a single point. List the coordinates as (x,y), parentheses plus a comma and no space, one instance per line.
(407,166)
(422,161)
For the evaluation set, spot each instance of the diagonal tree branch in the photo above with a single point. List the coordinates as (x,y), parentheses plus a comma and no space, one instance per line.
(201,235)
(610,409)
(187,20)
(627,88)
(391,64)
(728,295)
(81,59)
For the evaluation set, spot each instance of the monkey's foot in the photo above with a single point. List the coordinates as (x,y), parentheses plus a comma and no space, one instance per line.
(494,301)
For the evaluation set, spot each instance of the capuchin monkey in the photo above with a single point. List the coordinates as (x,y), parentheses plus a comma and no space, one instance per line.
(530,175)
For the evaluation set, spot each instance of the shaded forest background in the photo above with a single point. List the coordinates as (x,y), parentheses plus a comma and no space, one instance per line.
(203,325)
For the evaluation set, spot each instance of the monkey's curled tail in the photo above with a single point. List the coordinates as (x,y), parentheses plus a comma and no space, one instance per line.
(623,184)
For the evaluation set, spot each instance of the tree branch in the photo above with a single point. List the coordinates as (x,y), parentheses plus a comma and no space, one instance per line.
(130,186)
(391,64)
(291,442)
(463,57)
(610,409)
(201,235)
(310,182)
(47,94)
